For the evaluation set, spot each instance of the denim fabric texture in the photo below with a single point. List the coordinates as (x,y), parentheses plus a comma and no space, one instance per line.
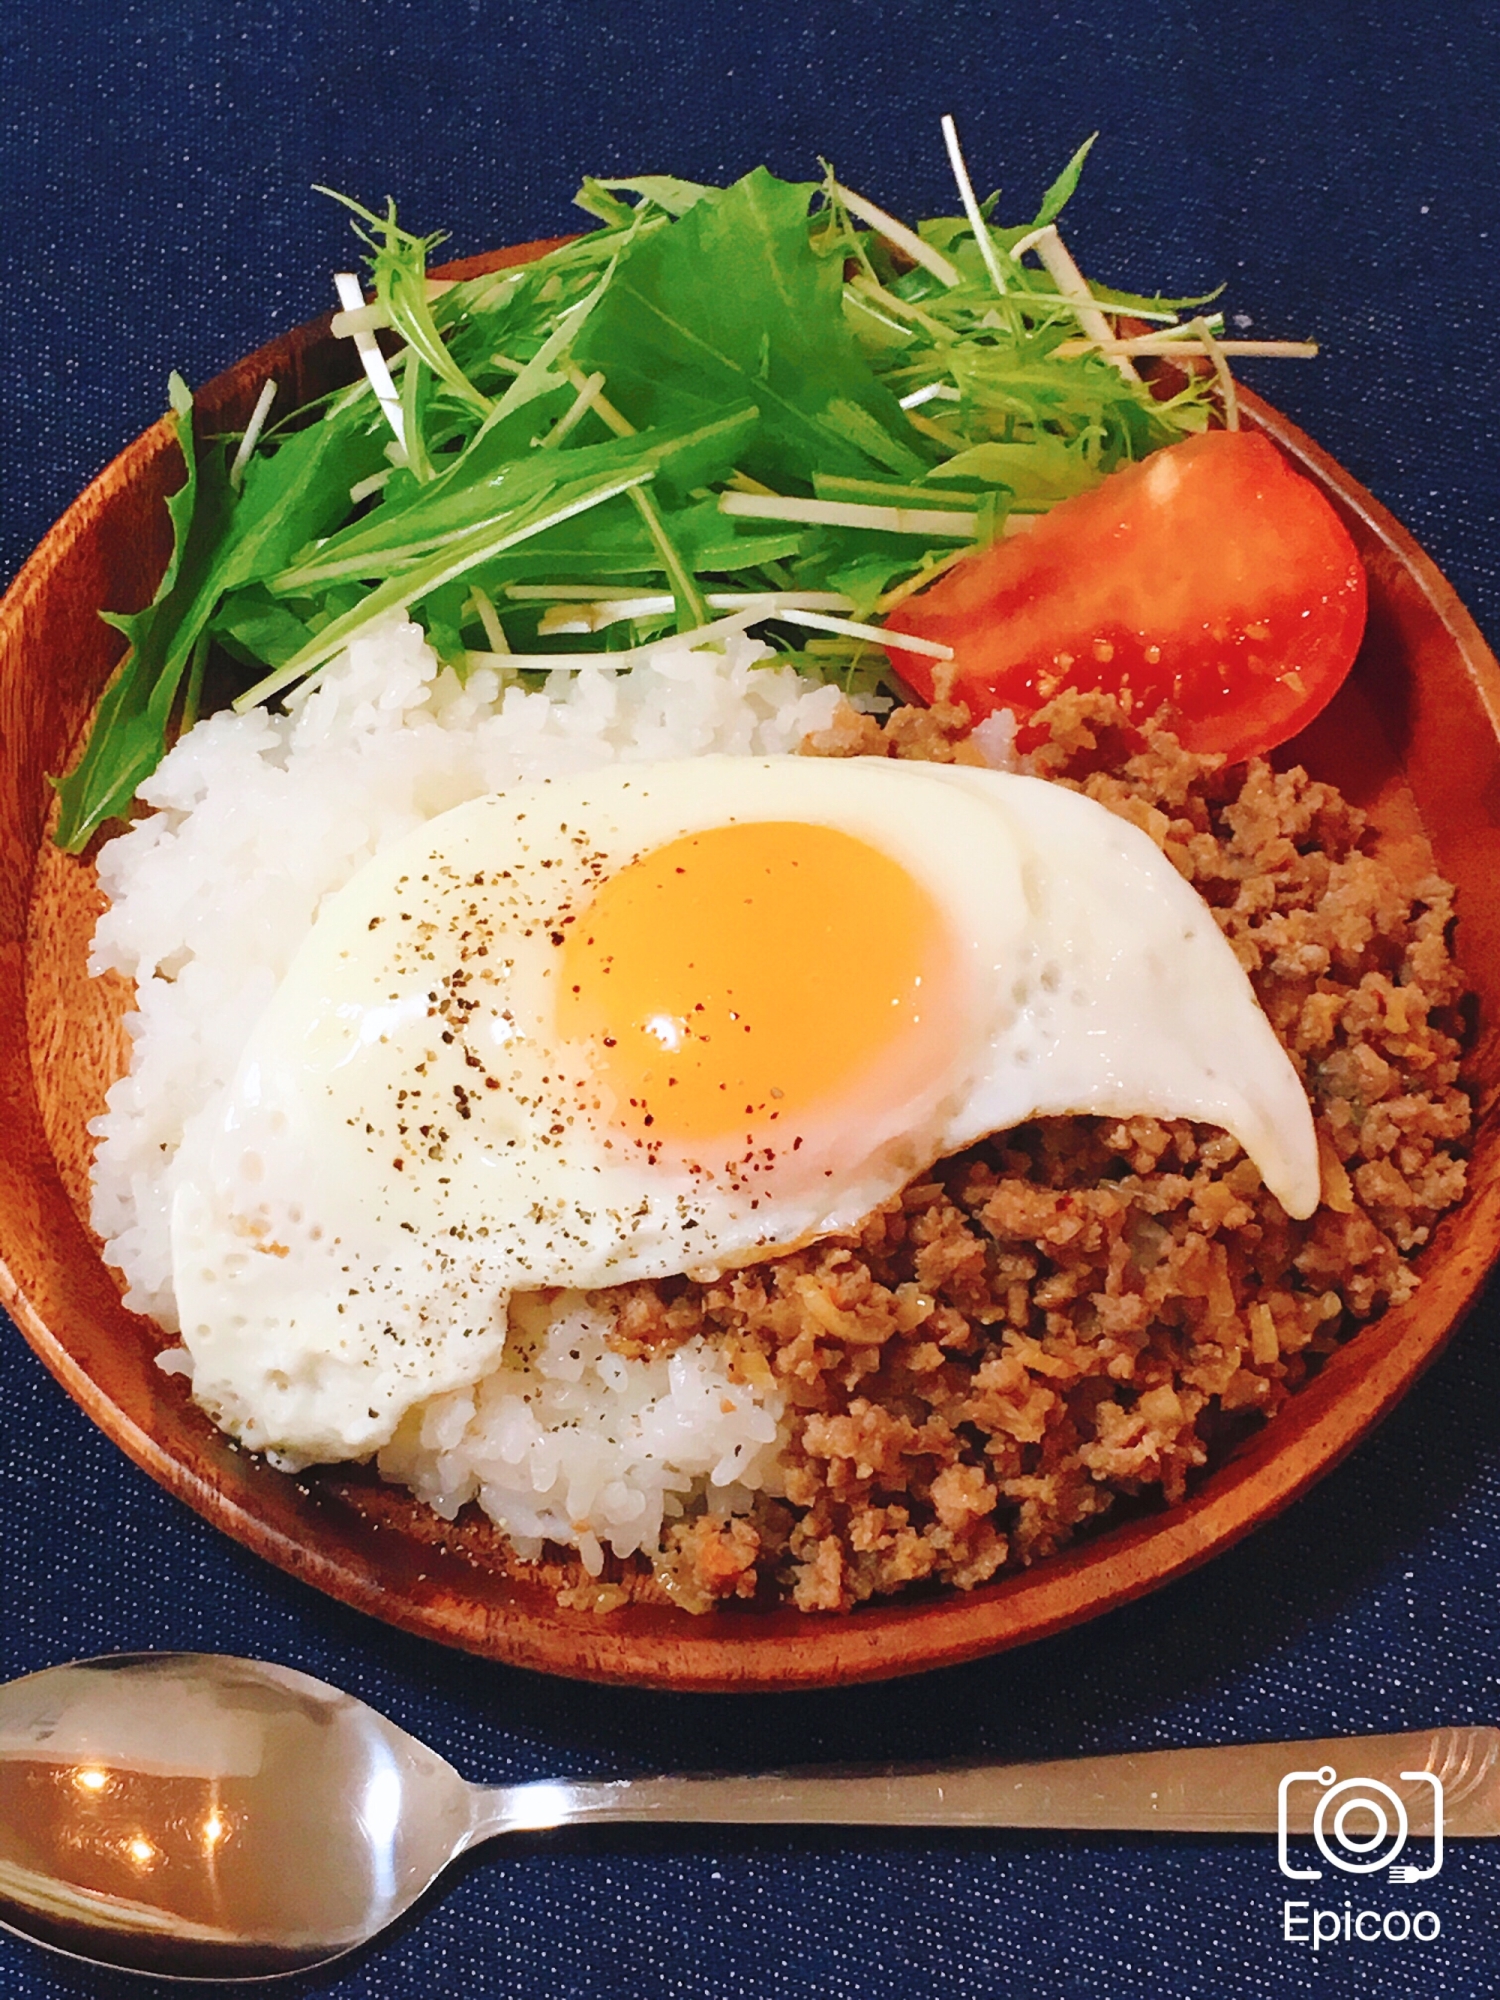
(1335,165)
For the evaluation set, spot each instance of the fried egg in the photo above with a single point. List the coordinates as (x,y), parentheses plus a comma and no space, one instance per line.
(672,1018)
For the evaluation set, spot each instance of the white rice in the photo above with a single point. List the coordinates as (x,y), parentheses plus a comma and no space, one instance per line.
(568,1442)
(259,818)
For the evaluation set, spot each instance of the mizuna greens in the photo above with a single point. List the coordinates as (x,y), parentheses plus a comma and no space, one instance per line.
(765,405)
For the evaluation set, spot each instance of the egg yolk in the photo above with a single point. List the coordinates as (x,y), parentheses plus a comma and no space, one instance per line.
(739,978)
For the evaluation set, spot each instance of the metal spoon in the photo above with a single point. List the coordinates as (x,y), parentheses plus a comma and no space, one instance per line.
(200,1817)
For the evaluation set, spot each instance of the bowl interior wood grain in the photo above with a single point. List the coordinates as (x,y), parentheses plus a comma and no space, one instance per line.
(1414,737)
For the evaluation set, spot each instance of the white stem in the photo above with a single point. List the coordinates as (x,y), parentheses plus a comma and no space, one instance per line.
(1018,250)
(368,318)
(977,222)
(868,290)
(1222,370)
(587,395)
(903,238)
(1071,282)
(365,487)
(352,299)
(363,319)
(620,425)
(705,635)
(579,593)
(489,618)
(253,429)
(935,392)
(850,628)
(594,614)
(944,523)
(1187,343)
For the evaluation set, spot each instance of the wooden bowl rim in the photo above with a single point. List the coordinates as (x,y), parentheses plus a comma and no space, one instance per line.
(785,1650)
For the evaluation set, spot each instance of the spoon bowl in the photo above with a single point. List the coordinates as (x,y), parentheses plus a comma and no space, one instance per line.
(204,1817)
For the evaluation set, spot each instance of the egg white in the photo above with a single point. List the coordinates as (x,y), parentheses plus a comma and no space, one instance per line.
(323,1289)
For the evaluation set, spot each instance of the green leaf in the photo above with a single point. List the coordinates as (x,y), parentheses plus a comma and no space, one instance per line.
(593,198)
(863,564)
(294,496)
(457,557)
(860,427)
(220,542)
(1057,197)
(180,505)
(258,629)
(611,543)
(731,304)
(1153,301)
(1038,473)
(866,575)
(443,620)
(413,414)
(675,196)
(129,732)
(487,484)
(539,375)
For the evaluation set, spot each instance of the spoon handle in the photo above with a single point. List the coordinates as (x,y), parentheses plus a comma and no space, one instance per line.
(1236,1788)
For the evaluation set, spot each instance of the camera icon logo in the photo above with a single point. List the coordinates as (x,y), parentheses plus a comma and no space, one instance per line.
(1359,1850)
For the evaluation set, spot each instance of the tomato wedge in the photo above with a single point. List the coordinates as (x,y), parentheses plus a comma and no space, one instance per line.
(1211,577)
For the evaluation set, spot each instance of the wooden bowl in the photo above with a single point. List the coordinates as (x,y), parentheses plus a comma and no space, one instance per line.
(1414,738)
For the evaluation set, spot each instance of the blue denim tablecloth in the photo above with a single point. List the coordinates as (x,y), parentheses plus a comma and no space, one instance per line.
(1337,165)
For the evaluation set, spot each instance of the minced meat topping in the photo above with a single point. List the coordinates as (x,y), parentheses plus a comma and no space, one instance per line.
(1084,1309)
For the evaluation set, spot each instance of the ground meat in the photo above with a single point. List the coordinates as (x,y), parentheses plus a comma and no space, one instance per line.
(1083,1309)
